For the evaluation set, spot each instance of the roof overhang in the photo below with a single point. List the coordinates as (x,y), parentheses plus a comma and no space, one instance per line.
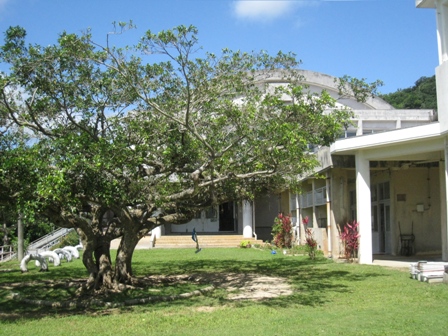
(429,3)
(425,4)
(393,145)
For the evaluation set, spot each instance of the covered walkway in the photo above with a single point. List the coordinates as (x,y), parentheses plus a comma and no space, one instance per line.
(401,261)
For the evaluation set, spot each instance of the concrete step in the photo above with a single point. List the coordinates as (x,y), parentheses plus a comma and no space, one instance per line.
(433,279)
(185,241)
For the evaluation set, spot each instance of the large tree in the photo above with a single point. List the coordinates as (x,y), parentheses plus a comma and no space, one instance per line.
(126,139)
(16,180)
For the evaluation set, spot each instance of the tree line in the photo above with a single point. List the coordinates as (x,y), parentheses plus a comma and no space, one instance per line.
(422,95)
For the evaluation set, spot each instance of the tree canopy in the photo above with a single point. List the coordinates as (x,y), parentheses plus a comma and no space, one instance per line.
(121,140)
(422,95)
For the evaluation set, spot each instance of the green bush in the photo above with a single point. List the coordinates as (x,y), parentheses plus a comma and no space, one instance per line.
(71,239)
(282,231)
(245,244)
(15,244)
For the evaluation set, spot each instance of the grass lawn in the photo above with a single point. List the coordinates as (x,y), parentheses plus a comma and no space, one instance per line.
(328,299)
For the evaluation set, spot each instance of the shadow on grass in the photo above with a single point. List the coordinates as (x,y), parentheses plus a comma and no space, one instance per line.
(313,282)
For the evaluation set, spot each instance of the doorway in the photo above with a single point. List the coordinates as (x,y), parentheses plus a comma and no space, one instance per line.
(385,227)
(380,195)
(226,217)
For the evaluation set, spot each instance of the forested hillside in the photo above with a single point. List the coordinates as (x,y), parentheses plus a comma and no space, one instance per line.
(420,96)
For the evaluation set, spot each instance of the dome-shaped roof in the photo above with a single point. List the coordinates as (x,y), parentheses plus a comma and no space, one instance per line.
(317,82)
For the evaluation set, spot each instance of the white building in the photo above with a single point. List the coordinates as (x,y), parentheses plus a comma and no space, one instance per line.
(374,116)
(393,183)
(388,172)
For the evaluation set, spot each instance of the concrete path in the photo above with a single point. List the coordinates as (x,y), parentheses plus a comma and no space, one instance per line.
(144,243)
(402,262)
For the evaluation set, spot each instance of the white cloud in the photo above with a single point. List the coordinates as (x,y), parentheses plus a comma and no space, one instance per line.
(263,10)
(3,4)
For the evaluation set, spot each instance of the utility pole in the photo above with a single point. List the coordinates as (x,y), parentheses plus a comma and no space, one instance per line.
(20,237)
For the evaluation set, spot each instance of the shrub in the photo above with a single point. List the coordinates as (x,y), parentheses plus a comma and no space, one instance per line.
(305,221)
(245,244)
(350,237)
(15,244)
(282,231)
(310,243)
(71,239)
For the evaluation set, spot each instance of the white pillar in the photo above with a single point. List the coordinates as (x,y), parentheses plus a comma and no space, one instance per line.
(444,206)
(157,232)
(327,198)
(314,219)
(442,22)
(363,208)
(247,219)
(359,130)
(298,220)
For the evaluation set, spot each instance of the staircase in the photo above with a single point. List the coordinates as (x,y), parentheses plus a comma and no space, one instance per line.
(44,243)
(205,241)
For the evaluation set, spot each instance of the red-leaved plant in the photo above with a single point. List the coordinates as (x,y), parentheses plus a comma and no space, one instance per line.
(350,237)
(310,243)
(305,221)
(282,231)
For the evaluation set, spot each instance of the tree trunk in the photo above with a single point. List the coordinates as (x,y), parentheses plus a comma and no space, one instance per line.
(89,262)
(123,261)
(96,259)
(96,241)
(96,238)
(103,263)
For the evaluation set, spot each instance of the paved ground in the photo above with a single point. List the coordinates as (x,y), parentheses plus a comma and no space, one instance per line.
(144,243)
(402,262)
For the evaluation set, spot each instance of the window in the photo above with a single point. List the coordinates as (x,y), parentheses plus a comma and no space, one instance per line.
(292,202)
(375,218)
(353,204)
(212,214)
(380,195)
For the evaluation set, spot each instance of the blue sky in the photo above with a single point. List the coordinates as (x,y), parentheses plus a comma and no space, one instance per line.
(390,40)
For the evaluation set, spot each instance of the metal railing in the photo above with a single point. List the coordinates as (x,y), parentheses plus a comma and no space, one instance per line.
(6,253)
(44,243)
(310,199)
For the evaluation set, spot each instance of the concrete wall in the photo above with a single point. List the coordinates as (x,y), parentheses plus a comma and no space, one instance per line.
(417,186)
(442,97)
(266,209)
(207,222)
(285,203)
(342,182)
